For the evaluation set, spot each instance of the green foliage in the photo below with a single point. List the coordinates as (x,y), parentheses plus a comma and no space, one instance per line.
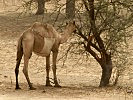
(114,22)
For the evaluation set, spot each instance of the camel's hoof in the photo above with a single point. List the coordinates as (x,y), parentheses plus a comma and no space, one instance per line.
(48,85)
(58,86)
(32,88)
(17,88)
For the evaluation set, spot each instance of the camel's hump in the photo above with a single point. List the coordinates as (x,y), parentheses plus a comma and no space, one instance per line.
(45,30)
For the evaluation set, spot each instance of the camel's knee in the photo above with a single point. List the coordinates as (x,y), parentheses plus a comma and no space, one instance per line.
(17,66)
(47,68)
(25,71)
(54,68)
(16,71)
(30,55)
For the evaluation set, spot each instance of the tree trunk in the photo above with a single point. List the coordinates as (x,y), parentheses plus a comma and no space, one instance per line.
(40,9)
(106,71)
(70,9)
(104,59)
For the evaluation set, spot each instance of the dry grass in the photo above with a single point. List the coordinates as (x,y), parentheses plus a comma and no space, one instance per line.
(79,81)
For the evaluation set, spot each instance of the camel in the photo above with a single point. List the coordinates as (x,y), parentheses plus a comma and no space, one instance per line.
(42,39)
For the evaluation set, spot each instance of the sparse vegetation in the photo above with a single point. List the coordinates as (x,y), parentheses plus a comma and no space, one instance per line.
(78,70)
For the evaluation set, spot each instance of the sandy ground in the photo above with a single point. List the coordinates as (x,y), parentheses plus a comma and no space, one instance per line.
(79,81)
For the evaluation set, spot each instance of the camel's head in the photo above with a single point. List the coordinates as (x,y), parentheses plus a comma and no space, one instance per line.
(71,26)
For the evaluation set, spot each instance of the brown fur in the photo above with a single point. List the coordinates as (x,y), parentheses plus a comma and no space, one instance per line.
(45,30)
(38,42)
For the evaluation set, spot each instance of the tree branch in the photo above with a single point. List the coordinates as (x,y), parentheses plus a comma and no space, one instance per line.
(81,34)
(93,26)
(92,53)
(85,4)
(89,40)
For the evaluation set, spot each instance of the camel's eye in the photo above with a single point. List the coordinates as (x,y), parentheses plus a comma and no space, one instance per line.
(74,22)
(66,23)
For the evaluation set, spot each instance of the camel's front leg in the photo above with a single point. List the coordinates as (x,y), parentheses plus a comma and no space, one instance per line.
(47,70)
(25,71)
(54,69)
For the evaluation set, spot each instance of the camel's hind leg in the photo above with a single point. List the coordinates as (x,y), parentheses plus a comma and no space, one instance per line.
(25,71)
(19,57)
(27,49)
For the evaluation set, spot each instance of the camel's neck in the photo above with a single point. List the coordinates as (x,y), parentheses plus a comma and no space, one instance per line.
(65,36)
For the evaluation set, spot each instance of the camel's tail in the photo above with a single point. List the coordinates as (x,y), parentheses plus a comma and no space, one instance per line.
(19,49)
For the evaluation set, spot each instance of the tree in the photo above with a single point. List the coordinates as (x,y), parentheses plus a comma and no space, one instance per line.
(105,31)
(40,7)
(70,9)
(29,6)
